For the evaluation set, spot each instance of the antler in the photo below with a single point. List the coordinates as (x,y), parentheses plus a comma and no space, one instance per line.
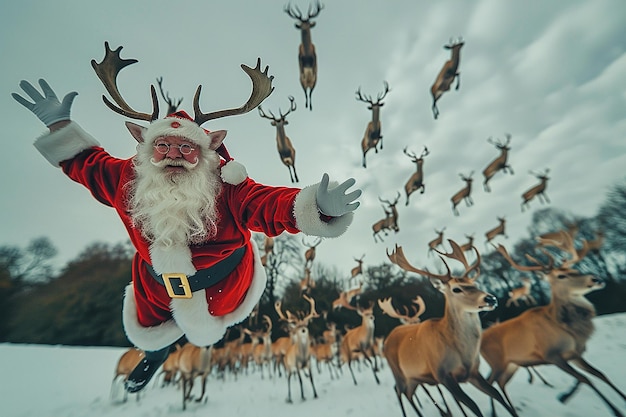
(261,89)
(537,267)
(458,254)
(397,257)
(313,313)
(387,307)
(107,71)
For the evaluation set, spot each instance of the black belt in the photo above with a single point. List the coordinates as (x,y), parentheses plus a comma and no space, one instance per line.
(181,286)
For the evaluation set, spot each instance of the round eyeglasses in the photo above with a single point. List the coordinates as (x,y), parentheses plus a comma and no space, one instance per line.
(164,148)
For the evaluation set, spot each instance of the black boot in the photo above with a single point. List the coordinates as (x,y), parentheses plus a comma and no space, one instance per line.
(145,370)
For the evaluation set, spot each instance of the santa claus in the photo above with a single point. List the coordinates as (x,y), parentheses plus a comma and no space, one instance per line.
(189,211)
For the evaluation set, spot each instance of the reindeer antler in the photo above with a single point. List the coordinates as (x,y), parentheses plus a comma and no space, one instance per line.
(261,89)
(397,257)
(107,71)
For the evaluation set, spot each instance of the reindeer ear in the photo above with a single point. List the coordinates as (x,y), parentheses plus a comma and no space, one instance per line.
(216,138)
(438,284)
(136,130)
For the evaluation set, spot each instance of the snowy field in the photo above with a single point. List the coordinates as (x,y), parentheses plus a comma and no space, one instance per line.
(59,381)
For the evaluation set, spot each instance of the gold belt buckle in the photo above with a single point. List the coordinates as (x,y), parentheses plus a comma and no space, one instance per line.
(180,281)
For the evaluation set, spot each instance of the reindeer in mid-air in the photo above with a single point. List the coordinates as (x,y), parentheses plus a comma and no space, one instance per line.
(463,194)
(286,151)
(500,163)
(416,181)
(373,132)
(307,57)
(448,73)
(390,222)
(538,190)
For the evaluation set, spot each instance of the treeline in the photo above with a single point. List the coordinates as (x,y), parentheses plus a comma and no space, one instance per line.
(82,304)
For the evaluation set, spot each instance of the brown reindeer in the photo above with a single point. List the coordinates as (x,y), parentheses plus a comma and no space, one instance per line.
(556,333)
(464,194)
(307,58)
(309,254)
(357,270)
(373,132)
(538,190)
(286,151)
(262,352)
(499,163)
(416,181)
(307,283)
(298,355)
(390,222)
(466,247)
(345,297)
(443,351)
(521,293)
(126,363)
(448,73)
(387,307)
(193,362)
(433,244)
(359,341)
(496,231)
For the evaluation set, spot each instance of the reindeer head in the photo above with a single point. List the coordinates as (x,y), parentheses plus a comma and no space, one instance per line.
(370,101)
(282,120)
(460,290)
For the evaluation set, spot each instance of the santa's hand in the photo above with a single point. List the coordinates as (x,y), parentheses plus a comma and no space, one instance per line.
(336,202)
(48,109)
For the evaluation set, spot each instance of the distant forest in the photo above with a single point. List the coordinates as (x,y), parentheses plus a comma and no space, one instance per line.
(81,304)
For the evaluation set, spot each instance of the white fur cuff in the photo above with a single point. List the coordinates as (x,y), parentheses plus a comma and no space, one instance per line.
(64,144)
(146,338)
(308,219)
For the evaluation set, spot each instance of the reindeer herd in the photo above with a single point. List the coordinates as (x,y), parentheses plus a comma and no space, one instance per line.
(443,352)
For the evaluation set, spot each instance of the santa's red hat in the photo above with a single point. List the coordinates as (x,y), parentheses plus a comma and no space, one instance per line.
(182,125)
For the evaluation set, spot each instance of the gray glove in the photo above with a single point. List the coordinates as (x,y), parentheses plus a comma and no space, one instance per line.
(48,109)
(336,202)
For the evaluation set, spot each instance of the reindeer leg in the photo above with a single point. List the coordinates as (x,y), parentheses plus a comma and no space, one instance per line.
(583,364)
(481,383)
(562,363)
(459,395)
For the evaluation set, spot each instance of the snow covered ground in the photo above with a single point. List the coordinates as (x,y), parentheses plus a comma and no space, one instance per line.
(60,381)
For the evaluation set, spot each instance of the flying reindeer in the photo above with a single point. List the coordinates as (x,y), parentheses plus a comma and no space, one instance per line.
(538,190)
(357,269)
(433,244)
(309,254)
(498,230)
(286,150)
(307,58)
(390,222)
(448,73)
(463,194)
(416,181)
(373,136)
(500,163)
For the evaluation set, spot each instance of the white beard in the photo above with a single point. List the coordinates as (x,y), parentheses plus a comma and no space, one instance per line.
(175,209)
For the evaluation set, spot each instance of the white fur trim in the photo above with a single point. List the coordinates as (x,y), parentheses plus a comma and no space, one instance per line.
(203,329)
(172,259)
(233,173)
(65,143)
(146,338)
(186,128)
(308,219)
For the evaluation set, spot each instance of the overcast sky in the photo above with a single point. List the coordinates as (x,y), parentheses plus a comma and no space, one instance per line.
(551,74)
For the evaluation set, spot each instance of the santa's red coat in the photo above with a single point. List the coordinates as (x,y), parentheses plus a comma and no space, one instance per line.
(152,319)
